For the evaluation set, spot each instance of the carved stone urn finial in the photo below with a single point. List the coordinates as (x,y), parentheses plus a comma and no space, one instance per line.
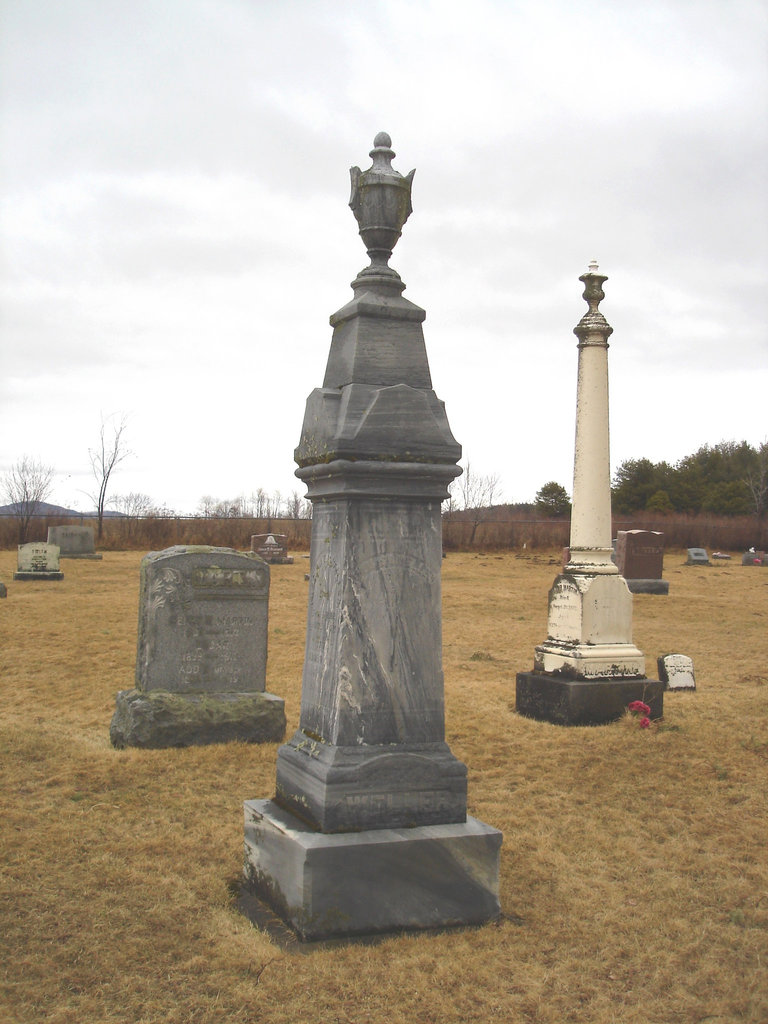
(593,321)
(381,203)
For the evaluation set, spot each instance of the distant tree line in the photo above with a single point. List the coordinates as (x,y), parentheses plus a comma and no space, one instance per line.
(259,505)
(729,479)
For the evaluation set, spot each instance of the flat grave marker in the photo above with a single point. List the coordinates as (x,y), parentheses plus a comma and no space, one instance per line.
(697,556)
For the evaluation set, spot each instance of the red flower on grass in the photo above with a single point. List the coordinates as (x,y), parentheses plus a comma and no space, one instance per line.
(638,705)
(645,723)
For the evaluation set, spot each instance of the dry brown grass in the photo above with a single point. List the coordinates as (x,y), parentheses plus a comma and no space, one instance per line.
(634,872)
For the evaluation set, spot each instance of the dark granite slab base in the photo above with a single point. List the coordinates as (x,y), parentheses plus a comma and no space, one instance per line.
(648,586)
(91,557)
(347,789)
(562,701)
(379,880)
(21,576)
(159,719)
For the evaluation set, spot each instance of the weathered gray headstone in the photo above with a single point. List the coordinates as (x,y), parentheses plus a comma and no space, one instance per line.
(272,548)
(3,590)
(588,669)
(202,653)
(697,556)
(754,557)
(639,557)
(676,672)
(38,561)
(73,541)
(369,831)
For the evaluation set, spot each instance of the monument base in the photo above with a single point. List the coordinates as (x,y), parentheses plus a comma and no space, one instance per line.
(550,697)
(380,880)
(21,575)
(157,719)
(349,789)
(91,557)
(648,586)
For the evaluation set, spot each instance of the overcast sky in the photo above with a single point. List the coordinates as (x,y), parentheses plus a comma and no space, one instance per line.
(175,228)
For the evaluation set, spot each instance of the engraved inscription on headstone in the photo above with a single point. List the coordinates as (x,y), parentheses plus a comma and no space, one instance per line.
(676,672)
(272,547)
(565,609)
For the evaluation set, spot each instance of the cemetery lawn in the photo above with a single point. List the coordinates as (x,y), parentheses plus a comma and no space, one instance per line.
(634,868)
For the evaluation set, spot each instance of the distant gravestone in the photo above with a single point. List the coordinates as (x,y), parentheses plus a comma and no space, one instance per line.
(73,541)
(38,561)
(754,558)
(3,590)
(272,548)
(676,672)
(202,653)
(639,556)
(697,556)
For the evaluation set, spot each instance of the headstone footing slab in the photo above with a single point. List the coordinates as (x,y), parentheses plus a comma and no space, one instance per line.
(357,883)
(158,719)
(550,697)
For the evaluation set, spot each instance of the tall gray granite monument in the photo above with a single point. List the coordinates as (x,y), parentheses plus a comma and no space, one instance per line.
(368,831)
(588,670)
(201,657)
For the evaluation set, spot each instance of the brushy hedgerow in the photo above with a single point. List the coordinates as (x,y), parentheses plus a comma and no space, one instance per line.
(634,879)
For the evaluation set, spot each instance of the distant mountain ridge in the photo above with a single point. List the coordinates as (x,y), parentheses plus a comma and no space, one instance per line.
(44,508)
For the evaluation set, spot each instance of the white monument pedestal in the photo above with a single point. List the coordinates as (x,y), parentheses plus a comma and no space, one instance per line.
(590,629)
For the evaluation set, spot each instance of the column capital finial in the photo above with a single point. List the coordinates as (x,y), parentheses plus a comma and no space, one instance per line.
(593,322)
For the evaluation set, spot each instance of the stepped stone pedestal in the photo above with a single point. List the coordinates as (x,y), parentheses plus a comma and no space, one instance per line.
(588,669)
(368,830)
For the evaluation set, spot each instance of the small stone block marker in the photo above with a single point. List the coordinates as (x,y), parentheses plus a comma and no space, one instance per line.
(676,672)
(272,548)
(202,653)
(3,590)
(697,556)
(38,561)
(73,541)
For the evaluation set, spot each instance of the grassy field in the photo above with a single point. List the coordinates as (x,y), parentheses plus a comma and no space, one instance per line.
(634,869)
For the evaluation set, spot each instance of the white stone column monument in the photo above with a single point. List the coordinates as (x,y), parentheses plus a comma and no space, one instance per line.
(588,669)
(368,831)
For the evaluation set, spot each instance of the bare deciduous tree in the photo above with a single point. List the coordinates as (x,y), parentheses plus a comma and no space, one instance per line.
(478,492)
(26,486)
(110,452)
